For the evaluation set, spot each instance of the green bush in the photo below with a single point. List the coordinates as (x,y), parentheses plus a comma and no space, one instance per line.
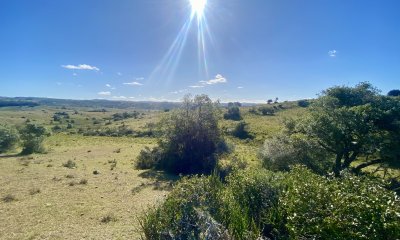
(8,138)
(284,150)
(186,213)
(260,204)
(241,131)
(233,113)
(32,137)
(350,207)
(191,139)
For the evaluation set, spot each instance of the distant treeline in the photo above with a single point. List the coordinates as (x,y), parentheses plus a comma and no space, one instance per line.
(100,104)
(17,103)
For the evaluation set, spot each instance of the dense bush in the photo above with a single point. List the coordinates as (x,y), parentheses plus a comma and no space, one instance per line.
(266,110)
(342,208)
(282,151)
(303,103)
(32,138)
(8,138)
(233,112)
(394,93)
(259,204)
(241,131)
(191,139)
(125,115)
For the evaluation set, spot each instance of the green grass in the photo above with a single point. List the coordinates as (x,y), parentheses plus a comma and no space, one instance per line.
(46,196)
(47,206)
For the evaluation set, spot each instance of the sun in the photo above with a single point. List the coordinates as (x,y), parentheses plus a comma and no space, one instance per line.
(198,7)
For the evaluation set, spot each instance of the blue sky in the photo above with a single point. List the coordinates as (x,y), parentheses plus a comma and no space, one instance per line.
(254,49)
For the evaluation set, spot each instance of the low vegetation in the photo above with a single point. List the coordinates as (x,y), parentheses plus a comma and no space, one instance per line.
(326,168)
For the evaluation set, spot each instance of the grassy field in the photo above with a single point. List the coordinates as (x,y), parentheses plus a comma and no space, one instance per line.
(86,187)
(44,197)
(99,194)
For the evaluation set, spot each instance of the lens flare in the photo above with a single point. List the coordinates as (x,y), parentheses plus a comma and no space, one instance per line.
(165,70)
(198,7)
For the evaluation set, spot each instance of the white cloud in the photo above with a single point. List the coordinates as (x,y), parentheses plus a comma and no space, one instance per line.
(332,53)
(196,86)
(134,84)
(74,74)
(108,85)
(119,74)
(140,79)
(218,79)
(119,97)
(240,87)
(81,67)
(179,91)
(104,93)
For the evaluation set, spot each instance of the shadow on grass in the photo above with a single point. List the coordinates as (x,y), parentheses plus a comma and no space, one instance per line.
(159,180)
(11,155)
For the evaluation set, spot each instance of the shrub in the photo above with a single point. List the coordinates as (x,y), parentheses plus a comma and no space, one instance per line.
(8,138)
(32,138)
(233,113)
(282,151)
(241,131)
(259,204)
(185,212)
(69,164)
(266,110)
(350,207)
(303,103)
(190,142)
(394,93)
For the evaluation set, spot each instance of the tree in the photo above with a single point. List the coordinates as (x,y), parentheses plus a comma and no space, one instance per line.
(394,93)
(270,101)
(233,112)
(191,139)
(32,137)
(351,123)
(8,138)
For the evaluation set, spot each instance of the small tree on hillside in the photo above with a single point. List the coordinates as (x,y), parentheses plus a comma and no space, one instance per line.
(32,138)
(8,138)
(191,141)
(394,93)
(233,112)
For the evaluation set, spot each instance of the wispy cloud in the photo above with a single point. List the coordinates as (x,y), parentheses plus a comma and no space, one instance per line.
(104,93)
(134,84)
(119,74)
(81,67)
(332,53)
(108,85)
(240,87)
(218,79)
(119,97)
(179,91)
(196,86)
(75,74)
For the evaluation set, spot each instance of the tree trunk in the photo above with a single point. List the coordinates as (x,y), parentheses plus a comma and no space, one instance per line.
(366,164)
(338,164)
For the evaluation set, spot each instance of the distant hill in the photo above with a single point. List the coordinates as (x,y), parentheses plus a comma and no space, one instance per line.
(95,103)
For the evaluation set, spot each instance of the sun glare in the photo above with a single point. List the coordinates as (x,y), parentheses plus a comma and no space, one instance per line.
(198,7)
